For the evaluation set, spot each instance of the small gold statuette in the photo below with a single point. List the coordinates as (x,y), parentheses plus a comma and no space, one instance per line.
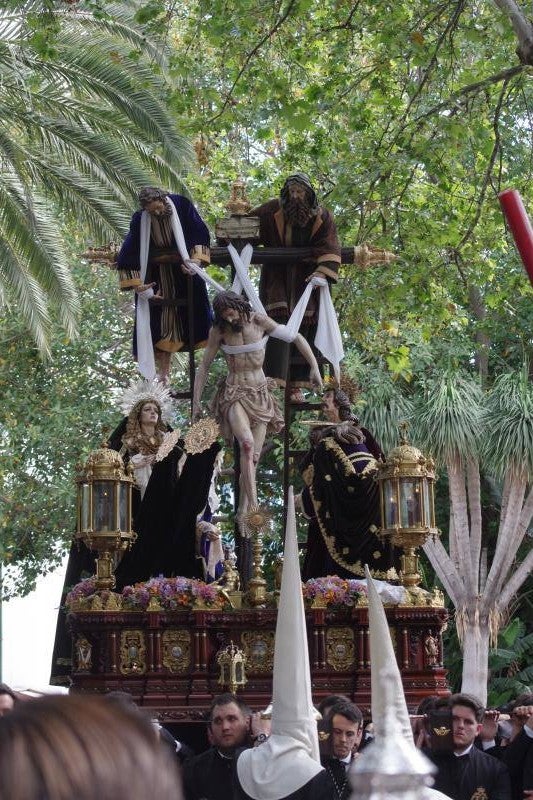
(201,436)
(238,203)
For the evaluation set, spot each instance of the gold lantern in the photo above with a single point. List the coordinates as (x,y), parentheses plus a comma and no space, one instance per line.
(104,510)
(406,483)
(231,661)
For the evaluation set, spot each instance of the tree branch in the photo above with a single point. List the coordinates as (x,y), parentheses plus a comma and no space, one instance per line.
(515,538)
(471,88)
(488,172)
(522,27)
(504,545)
(251,54)
(516,580)
(459,503)
(346,25)
(474,505)
(433,60)
(445,569)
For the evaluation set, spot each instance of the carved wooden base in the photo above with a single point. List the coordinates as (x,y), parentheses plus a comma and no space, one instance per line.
(168,660)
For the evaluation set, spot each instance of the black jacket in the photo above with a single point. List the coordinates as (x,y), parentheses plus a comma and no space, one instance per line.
(461,778)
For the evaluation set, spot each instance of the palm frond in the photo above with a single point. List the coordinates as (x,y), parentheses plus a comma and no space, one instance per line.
(384,407)
(29,232)
(22,292)
(80,132)
(447,416)
(508,441)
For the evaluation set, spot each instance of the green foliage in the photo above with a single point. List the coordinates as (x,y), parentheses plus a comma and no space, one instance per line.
(509,423)
(509,664)
(408,139)
(448,415)
(409,119)
(83,126)
(382,405)
(52,415)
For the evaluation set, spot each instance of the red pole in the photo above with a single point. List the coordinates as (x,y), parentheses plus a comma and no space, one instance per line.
(520,225)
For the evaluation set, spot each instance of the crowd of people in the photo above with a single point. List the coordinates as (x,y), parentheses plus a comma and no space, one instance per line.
(63,746)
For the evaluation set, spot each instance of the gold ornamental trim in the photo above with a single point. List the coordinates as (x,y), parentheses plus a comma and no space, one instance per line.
(356,568)
(176,650)
(201,435)
(168,444)
(83,650)
(256,519)
(132,652)
(340,649)
(331,444)
(259,650)
(103,464)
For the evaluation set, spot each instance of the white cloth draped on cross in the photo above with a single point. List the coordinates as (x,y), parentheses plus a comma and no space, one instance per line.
(328,338)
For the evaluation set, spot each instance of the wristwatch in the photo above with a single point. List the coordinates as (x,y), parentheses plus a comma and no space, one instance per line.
(260,738)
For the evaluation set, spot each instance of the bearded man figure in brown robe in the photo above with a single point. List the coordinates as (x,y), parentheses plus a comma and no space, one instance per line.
(295,220)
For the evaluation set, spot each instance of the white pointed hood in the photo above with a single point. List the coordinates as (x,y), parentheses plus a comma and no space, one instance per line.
(290,758)
(382,656)
(391,763)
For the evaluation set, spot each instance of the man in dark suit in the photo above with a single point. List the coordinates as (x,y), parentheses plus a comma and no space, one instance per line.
(518,755)
(468,773)
(344,729)
(212,775)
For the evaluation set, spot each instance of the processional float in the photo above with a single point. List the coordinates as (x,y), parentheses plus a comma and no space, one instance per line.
(174,646)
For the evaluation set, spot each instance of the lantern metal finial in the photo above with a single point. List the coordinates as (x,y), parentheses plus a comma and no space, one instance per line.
(406,480)
(104,509)
(231,661)
(403,427)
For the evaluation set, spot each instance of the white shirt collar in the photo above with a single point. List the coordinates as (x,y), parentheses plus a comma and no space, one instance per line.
(464,752)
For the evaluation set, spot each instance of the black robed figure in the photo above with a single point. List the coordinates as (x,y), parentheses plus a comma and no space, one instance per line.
(169,495)
(341,497)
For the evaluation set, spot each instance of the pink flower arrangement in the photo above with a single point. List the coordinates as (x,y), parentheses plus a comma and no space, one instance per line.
(84,588)
(334,591)
(170,593)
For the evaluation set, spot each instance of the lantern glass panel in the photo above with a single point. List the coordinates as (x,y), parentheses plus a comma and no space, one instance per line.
(427,504)
(85,507)
(431,489)
(410,504)
(391,504)
(123,507)
(103,506)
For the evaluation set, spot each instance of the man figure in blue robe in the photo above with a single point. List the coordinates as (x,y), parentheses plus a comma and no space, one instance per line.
(165,284)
